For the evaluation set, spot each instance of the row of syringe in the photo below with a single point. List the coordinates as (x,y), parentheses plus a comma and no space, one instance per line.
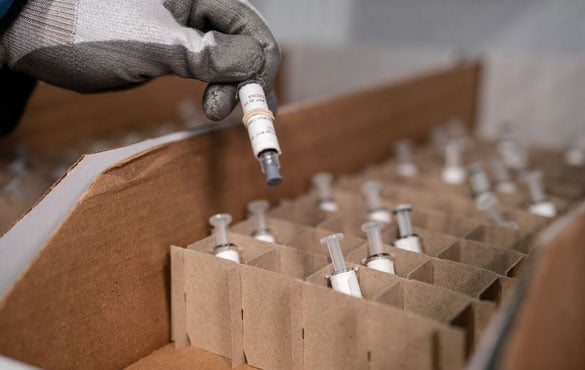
(342,279)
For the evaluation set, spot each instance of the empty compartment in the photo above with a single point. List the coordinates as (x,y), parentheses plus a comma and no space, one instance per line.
(435,220)
(310,241)
(292,262)
(348,225)
(282,230)
(569,190)
(469,280)
(499,260)
(501,237)
(441,305)
(304,214)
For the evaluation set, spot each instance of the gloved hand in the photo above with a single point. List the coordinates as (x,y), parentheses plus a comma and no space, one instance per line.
(97,45)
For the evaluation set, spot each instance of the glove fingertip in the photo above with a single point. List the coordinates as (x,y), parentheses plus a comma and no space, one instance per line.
(219,101)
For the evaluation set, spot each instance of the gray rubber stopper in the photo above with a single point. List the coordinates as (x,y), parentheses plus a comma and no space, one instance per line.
(273,176)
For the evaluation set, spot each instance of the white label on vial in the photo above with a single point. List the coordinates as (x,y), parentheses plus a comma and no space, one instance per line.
(262,134)
(252,97)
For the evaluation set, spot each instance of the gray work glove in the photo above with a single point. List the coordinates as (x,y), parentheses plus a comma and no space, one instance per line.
(98,45)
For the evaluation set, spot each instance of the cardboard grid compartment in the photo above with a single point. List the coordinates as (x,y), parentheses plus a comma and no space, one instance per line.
(276,309)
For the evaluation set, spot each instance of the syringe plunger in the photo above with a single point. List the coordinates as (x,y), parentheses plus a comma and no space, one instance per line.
(322,182)
(478,178)
(220,224)
(402,212)
(371,190)
(258,209)
(373,230)
(453,151)
(488,203)
(500,170)
(403,150)
(334,248)
(533,180)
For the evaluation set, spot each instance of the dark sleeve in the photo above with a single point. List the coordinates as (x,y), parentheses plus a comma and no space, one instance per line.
(15,89)
(9,10)
(4,6)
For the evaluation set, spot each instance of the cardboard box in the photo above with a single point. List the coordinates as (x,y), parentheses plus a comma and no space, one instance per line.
(92,284)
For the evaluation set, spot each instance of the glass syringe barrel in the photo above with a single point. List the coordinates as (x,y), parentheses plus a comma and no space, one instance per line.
(259,121)
(334,248)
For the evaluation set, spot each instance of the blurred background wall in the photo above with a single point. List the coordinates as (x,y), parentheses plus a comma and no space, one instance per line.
(534,52)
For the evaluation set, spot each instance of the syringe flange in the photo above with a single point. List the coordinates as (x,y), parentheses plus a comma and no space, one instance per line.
(410,243)
(380,214)
(265,235)
(346,282)
(227,251)
(381,262)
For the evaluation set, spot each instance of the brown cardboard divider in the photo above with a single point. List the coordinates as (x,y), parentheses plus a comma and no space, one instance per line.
(267,318)
(435,220)
(248,246)
(552,162)
(441,305)
(344,332)
(502,237)
(347,224)
(204,305)
(499,260)
(565,189)
(303,214)
(433,242)
(527,221)
(404,261)
(310,241)
(282,230)
(469,280)
(292,262)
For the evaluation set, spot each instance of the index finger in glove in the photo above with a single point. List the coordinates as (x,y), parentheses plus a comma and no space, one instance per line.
(238,17)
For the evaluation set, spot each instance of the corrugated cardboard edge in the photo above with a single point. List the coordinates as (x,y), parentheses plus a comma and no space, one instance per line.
(236,312)
(178,304)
